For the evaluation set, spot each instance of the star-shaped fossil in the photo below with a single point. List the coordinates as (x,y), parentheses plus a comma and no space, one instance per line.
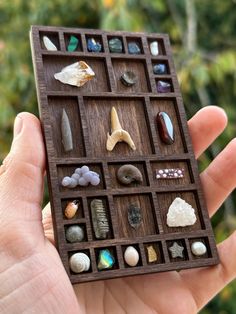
(176,250)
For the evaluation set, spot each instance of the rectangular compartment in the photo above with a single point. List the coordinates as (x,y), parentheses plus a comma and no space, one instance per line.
(161,46)
(132,117)
(136,246)
(165,200)
(148,225)
(97,38)
(73,236)
(131,175)
(71,107)
(54,64)
(52,36)
(69,170)
(161,62)
(112,250)
(84,273)
(137,41)
(205,241)
(177,250)
(80,211)
(138,67)
(169,106)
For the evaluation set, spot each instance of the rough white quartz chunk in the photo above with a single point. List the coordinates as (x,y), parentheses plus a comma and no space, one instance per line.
(198,248)
(76,74)
(180,214)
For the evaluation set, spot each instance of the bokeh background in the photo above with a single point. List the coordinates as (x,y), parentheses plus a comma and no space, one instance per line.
(202,34)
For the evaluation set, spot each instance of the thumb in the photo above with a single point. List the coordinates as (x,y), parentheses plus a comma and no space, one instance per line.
(21,175)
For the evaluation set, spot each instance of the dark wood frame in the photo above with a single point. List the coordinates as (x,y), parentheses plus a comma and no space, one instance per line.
(43,58)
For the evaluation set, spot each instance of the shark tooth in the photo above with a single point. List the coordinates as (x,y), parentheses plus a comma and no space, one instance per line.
(117,133)
(76,74)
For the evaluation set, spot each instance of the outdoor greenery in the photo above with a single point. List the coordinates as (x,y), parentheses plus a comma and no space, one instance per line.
(203,39)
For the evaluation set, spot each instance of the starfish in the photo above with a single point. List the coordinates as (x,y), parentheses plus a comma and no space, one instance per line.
(176,250)
(117,133)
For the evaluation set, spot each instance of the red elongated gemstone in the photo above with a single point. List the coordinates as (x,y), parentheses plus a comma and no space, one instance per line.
(165,128)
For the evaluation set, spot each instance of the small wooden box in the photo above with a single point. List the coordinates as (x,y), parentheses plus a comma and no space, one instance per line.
(88,109)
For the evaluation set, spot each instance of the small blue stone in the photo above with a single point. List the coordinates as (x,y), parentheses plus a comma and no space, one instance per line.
(133,48)
(93,46)
(159,68)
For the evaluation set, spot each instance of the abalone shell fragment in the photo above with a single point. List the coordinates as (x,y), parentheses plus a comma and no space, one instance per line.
(134,216)
(105,260)
(99,219)
(128,174)
(165,128)
(66,133)
(128,78)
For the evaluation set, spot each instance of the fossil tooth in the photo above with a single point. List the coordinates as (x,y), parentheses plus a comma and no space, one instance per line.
(117,133)
(66,133)
(71,209)
(49,45)
(127,174)
(76,74)
(99,219)
(134,216)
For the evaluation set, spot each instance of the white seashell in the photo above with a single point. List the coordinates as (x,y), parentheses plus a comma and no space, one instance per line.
(79,262)
(76,74)
(180,214)
(198,248)
(154,48)
(131,256)
(49,45)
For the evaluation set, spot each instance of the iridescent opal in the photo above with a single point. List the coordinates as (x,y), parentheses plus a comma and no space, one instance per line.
(93,45)
(115,45)
(165,128)
(134,48)
(73,43)
(105,260)
(159,68)
(163,87)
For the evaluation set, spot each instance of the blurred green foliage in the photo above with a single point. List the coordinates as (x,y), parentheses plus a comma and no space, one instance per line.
(203,39)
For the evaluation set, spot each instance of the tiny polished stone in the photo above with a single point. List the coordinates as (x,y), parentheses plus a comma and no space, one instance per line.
(134,48)
(73,43)
(105,260)
(115,45)
(93,45)
(198,248)
(163,87)
(165,128)
(128,78)
(159,68)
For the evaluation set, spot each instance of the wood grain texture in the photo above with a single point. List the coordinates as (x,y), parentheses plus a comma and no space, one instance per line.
(89,109)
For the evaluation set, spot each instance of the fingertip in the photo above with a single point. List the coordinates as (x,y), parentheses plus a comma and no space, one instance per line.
(215,113)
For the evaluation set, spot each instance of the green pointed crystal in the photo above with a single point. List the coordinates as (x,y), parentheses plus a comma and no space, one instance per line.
(73,43)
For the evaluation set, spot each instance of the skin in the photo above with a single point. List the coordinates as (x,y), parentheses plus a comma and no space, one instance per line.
(32,277)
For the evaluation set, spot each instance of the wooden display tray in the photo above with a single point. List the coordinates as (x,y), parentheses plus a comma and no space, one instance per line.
(89,108)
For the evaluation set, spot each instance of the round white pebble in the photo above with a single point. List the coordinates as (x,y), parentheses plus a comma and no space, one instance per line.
(179,171)
(84,169)
(166,170)
(95,180)
(131,256)
(175,174)
(198,248)
(161,171)
(158,176)
(164,175)
(66,181)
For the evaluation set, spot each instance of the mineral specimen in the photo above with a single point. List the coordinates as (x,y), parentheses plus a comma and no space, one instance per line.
(49,45)
(134,216)
(165,128)
(74,234)
(73,43)
(128,78)
(154,48)
(163,87)
(93,45)
(134,48)
(115,45)
(105,260)
(198,248)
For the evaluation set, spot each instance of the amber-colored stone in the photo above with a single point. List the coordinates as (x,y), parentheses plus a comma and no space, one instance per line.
(165,128)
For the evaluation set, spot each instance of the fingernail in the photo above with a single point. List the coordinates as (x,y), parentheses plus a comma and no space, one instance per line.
(18,125)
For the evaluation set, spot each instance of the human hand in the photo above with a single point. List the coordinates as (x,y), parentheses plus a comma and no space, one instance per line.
(32,277)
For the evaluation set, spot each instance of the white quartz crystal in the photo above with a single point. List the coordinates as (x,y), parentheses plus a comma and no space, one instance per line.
(154,48)
(180,214)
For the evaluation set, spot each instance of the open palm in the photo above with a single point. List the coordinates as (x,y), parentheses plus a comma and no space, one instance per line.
(32,276)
